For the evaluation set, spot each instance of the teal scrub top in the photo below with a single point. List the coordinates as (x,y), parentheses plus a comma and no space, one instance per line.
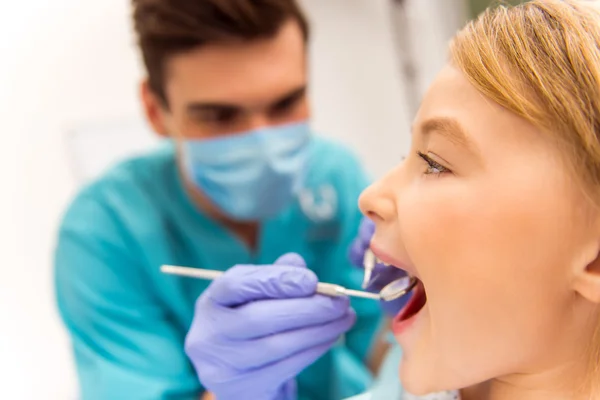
(128,321)
(387,384)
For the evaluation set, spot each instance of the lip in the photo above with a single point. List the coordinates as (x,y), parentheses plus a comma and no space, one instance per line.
(388,259)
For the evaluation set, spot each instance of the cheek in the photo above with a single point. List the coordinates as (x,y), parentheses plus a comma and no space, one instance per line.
(492,261)
(474,230)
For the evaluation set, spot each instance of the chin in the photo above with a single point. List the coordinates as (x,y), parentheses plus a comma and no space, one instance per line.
(421,380)
(416,381)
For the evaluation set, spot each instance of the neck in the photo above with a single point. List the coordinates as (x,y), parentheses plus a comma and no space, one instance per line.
(560,383)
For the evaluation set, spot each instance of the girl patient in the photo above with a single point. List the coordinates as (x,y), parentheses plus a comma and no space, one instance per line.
(496,211)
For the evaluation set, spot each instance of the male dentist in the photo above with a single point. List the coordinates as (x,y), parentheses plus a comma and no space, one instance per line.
(244,186)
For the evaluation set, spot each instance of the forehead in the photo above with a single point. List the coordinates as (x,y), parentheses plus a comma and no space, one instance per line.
(490,127)
(240,72)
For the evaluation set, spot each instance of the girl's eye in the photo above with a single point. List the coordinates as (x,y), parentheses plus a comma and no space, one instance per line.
(433,167)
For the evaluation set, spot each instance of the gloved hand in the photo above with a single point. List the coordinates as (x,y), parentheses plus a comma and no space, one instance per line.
(257,327)
(382,275)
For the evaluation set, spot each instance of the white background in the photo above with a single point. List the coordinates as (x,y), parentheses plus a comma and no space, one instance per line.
(67,64)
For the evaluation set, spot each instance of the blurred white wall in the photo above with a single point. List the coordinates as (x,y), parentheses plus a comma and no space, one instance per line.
(71,63)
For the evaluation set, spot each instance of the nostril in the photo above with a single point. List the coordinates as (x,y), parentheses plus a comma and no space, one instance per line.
(373,216)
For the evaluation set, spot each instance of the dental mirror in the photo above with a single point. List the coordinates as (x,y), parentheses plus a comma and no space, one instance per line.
(398,288)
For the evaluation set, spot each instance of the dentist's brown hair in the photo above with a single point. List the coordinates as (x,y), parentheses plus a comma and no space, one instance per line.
(165,28)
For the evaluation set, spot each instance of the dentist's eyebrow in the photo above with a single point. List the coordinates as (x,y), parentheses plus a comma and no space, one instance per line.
(451,129)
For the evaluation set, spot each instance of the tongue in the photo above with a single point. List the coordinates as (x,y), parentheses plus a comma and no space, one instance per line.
(415,304)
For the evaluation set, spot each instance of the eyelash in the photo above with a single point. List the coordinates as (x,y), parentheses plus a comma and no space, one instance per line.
(433,167)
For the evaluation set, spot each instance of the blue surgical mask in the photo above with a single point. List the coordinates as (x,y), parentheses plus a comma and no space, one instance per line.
(253,175)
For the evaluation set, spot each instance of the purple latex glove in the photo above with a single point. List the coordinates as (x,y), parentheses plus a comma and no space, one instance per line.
(382,275)
(257,327)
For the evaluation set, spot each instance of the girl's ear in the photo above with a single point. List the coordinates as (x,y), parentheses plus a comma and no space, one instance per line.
(587,278)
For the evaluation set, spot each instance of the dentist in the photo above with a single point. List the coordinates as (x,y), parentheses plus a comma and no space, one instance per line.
(242,185)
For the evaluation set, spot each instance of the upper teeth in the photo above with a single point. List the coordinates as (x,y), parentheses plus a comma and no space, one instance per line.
(381,262)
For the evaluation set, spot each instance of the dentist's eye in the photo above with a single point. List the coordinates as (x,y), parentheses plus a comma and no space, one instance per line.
(433,167)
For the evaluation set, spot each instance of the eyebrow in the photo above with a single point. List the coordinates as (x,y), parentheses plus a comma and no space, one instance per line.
(291,96)
(197,107)
(449,128)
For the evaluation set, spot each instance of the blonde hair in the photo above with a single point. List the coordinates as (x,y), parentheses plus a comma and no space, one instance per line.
(541,60)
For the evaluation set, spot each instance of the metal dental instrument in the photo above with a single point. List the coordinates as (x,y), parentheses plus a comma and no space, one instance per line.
(398,288)
(393,290)
(327,289)
(369,261)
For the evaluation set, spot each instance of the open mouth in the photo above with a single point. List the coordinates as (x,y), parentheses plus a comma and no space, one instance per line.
(414,305)
(418,297)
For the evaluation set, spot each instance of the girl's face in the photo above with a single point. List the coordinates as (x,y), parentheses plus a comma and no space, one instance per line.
(484,212)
